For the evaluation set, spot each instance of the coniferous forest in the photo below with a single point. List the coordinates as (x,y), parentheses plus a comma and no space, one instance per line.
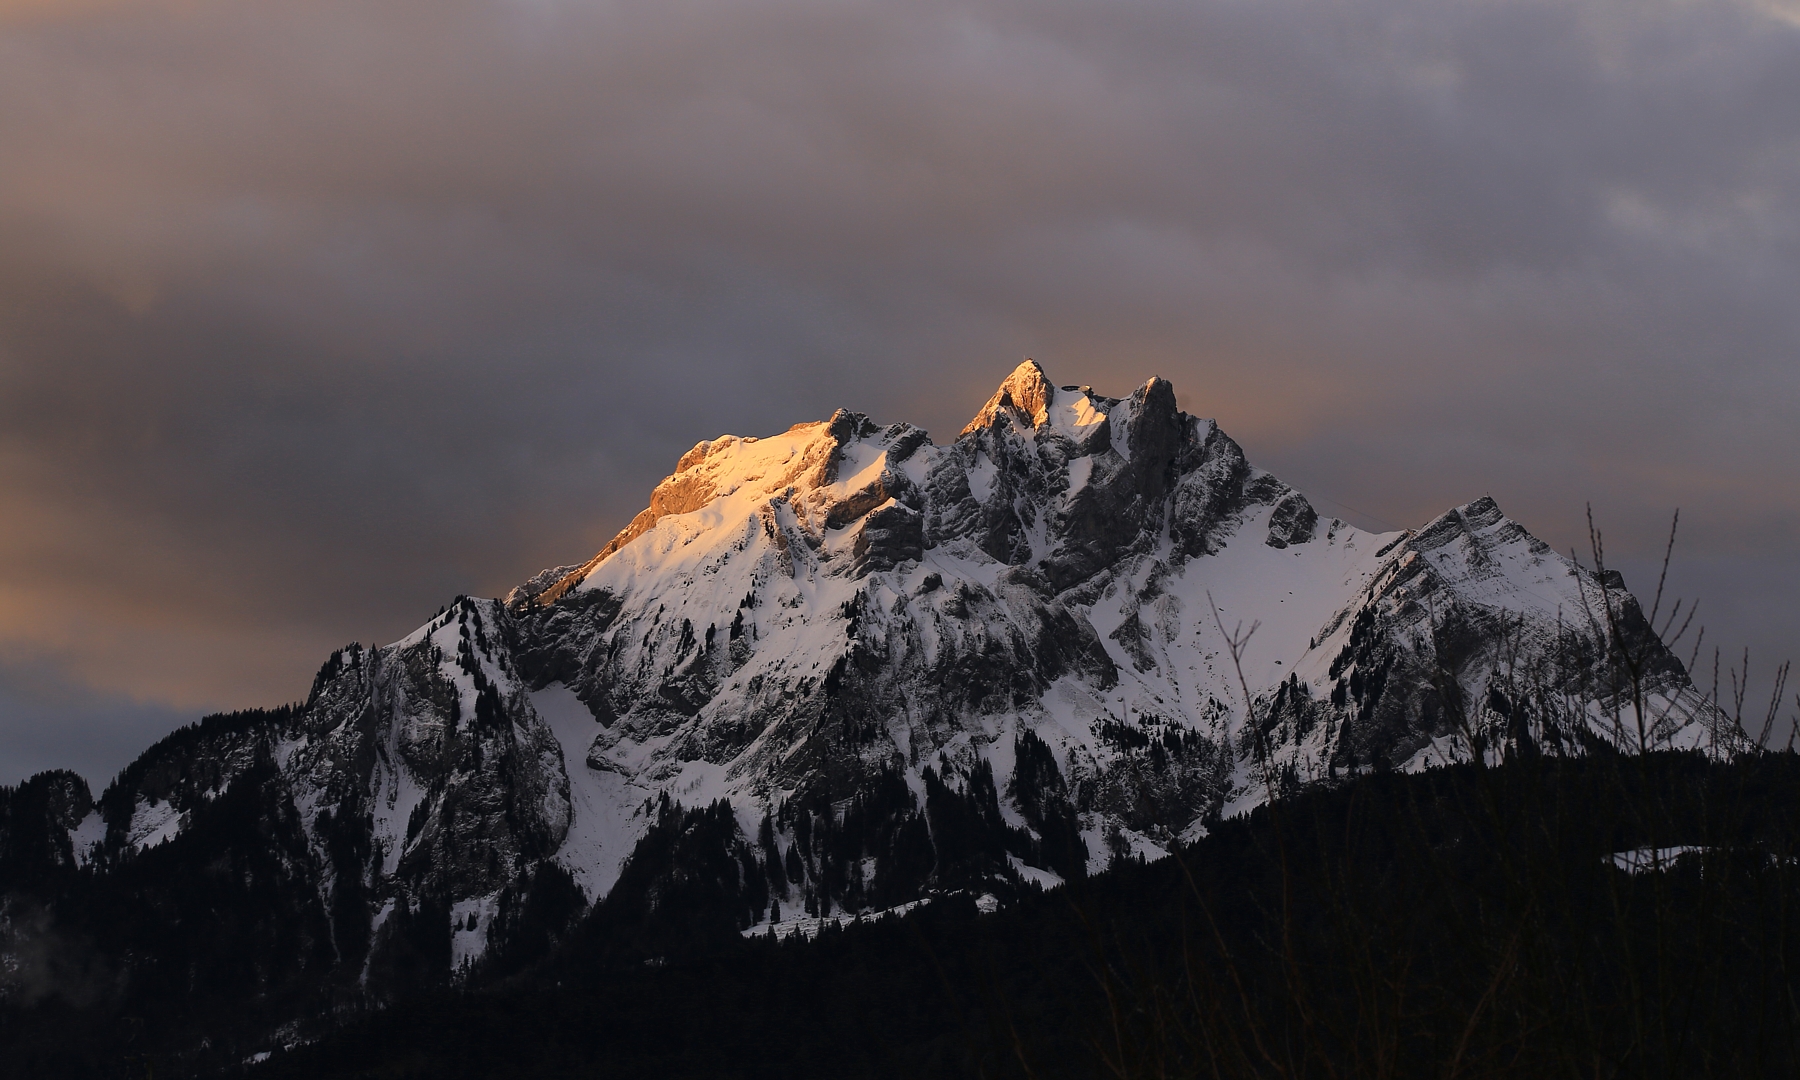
(1598,916)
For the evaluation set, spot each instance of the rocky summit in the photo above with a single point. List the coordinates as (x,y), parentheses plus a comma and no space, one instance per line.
(844,668)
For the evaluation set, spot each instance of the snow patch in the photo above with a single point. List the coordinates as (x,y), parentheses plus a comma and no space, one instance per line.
(1074,415)
(87,836)
(153,823)
(605,806)
(469,929)
(808,927)
(1646,859)
(981,477)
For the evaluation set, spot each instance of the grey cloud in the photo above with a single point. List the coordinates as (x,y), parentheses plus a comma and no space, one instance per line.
(49,721)
(312,316)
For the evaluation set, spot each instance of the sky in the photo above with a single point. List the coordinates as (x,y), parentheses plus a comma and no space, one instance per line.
(316,315)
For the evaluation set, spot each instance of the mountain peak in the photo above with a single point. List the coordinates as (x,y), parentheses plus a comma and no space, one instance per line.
(926,670)
(1027,392)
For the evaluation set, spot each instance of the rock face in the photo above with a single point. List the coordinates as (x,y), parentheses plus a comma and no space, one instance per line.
(853,668)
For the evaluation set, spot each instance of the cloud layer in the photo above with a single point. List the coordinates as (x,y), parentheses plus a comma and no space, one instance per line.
(315,315)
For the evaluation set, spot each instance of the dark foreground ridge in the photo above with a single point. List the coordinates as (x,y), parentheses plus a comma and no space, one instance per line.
(1467,921)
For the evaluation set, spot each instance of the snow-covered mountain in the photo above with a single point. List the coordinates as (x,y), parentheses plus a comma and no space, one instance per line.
(843,668)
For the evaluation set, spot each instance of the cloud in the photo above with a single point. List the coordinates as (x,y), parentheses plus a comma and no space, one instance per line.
(51,721)
(312,316)
(1784,11)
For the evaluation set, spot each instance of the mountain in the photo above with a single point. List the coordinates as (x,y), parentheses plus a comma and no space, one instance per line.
(837,670)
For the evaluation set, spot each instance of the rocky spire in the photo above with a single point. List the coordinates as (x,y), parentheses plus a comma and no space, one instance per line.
(1027,392)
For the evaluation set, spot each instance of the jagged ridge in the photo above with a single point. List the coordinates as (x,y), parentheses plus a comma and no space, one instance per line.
(877,669)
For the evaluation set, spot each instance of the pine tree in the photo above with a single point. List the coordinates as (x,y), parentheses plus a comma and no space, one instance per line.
(765,838)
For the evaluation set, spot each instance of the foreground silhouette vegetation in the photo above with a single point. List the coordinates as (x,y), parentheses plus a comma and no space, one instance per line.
(1469,921)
